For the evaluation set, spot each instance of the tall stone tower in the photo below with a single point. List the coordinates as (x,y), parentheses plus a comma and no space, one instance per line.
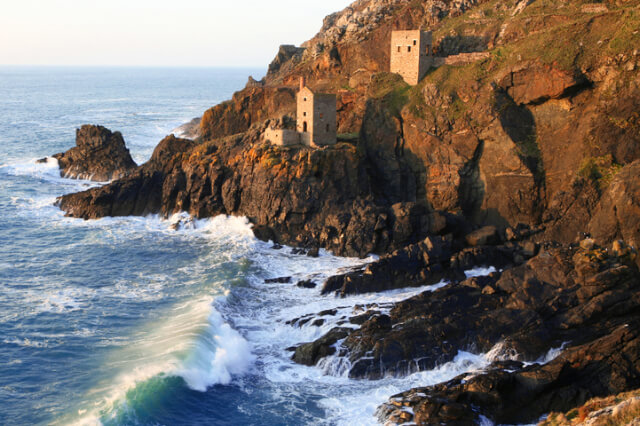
(411,54)
(316,117)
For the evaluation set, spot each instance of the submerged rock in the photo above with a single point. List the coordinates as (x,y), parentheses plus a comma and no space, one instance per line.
(99,155)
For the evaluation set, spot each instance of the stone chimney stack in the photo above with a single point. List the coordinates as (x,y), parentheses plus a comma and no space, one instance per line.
(303,83)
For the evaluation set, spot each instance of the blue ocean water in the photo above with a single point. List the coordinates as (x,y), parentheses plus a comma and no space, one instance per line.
(126,321)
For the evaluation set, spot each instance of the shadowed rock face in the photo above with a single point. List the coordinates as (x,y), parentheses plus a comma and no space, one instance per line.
(99,155)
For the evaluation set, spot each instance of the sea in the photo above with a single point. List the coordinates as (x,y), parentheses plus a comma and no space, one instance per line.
(127,321)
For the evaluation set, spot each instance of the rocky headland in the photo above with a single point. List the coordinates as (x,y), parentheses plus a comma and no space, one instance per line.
(99,155)
(520,151)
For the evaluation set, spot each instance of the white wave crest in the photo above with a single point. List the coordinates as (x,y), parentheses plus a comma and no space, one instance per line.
(222,354)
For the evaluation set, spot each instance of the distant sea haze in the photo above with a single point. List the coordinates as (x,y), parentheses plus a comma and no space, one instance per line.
(127,321)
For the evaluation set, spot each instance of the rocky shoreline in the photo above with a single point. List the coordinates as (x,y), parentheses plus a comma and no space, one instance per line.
(525,161)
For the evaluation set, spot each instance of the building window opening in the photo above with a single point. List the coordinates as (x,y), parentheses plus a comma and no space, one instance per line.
(399,49)
(415,42)
(304,127)
(304,114)
(327,128)
(305,99)
(321,115)
(408,48)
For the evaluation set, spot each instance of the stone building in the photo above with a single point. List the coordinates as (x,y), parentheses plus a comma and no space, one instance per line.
(316,117)
(282,137)
(411,54)
(316,123)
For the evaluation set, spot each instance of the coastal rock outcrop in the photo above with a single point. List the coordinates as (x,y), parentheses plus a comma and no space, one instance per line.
(561,296)
(609,364)
(99,155)
(299,196)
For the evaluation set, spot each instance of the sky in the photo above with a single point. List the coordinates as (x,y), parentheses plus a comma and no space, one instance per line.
(234,33)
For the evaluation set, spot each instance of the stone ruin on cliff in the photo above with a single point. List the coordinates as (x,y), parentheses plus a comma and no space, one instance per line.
(316,123)
(411,54)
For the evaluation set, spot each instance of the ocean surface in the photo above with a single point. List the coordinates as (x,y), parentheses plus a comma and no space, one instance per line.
(126,321)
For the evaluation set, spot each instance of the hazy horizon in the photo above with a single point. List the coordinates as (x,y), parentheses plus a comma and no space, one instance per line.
(121,33)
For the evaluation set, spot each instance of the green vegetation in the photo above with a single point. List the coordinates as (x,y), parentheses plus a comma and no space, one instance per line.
(348,137)
(553,33)
(392,89)
(600,170)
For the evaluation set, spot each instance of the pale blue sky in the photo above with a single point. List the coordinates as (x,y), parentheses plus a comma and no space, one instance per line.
(155,32)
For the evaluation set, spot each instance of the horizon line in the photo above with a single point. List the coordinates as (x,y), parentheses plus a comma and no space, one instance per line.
(132,66)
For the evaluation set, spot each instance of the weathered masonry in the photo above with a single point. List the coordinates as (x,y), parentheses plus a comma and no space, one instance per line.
(316,121)
(282,137)
(316,117)
(411,54)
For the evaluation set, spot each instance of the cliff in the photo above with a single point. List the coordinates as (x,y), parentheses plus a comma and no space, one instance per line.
(299,196)
(523,140)
(531,132)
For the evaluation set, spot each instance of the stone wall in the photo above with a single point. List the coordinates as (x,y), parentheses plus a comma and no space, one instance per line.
(316,115)
(282,137)
(411,54)
(594,8)
(305,111)
(324,121)
(460,59)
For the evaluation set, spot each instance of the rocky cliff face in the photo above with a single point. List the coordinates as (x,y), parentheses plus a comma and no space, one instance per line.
(496,159)
(247,107)
(531,133)
(98,155)
(299,196)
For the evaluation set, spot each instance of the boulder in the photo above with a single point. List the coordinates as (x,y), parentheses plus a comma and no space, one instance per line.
(99,155)
(533,83)
(310,353)
(487,235)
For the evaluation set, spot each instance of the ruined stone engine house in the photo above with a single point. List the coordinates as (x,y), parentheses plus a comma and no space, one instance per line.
(411,54)
(316,123)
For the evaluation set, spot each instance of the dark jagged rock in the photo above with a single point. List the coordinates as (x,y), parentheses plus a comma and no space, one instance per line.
(279,280)
(606,365)
(141,192)
(429,262)
(306,284)
(562,295)
(310,353)
(299,196)
(99,155)
(418,264)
